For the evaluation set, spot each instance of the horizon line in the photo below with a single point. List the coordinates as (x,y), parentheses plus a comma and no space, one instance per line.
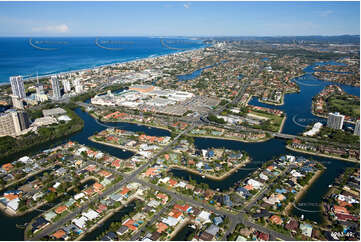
(160,36)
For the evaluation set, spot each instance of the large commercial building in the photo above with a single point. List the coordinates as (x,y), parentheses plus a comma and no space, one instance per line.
(12,122)
(17,86)
(142,88)
(56,87)
(357,128)
(335,120)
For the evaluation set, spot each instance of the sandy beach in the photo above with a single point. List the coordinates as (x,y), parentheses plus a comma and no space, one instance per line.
(282,124)
(151,57)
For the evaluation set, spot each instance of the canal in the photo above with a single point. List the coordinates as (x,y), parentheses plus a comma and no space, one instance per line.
(116,217)
(296,105)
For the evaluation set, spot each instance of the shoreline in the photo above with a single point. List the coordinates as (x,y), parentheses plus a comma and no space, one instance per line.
(178,228)
(91,138)
(213,177)
(325,117)
(104,219)
(11,213)
(132,122)
(27,176)
(302,192)
(26,237)
(323,155)
(229,138)
(282,124)
(150,57)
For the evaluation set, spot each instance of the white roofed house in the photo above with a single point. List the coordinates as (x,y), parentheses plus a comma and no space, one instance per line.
(203,217)
(255,184)
(263,176)
(295,173)
(80,222)
(90,214)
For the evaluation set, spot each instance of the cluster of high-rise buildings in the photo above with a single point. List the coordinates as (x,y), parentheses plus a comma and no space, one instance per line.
(14,121)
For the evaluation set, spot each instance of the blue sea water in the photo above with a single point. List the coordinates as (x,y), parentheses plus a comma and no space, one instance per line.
(27,56)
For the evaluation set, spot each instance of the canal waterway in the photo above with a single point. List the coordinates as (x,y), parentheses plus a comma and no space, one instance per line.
(296,105)
(116,217)
(183,234)
(196,73)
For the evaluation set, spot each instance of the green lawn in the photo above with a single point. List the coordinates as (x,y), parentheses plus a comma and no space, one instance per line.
(275,121)
(344,104)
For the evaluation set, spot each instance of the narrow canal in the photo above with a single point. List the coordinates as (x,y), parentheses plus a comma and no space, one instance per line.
(116,217)
(298,105)
(184,233)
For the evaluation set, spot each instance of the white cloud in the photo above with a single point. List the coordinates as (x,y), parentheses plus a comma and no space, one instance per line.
(326,13)
(187,5)
(61,28)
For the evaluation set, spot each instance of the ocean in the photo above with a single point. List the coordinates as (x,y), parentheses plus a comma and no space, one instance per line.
(49,55)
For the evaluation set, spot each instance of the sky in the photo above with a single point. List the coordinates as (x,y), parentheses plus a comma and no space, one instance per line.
(178,18)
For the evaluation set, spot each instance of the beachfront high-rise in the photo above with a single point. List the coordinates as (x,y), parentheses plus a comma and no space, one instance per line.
(67,85)
(56,87)
(17,86)
(335,120)
(78,86)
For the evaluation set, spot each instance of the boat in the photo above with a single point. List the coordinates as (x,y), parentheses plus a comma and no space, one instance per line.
(203,176)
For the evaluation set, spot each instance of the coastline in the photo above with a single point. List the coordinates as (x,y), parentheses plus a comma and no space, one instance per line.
(213,177)
(325,117)
(282,124)
(132,122)
(28,176)
(323,155)
(91,138)
(303,190)
(105,218)
(150,57)
(229,138)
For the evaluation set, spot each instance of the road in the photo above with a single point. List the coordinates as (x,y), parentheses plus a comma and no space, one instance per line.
(234,219)
(126,179)
(136,236)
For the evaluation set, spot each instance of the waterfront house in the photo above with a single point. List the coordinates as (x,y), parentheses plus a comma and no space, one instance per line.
(161,227)
(59,235)
(292,225)
(50,216)
(276,219)
(213,230)
(262,236)
(61,209)
(38,224)
(122,230)
(306,229)
(205,236)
